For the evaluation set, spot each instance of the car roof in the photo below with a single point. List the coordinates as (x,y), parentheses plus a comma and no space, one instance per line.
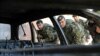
(21,11)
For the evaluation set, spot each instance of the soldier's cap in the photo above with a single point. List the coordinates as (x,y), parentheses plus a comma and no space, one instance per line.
(39,21)
(60,18)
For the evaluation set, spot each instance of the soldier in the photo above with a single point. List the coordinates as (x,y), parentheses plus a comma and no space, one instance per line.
(65,24)
(80,21)
(74,31)
(82,33)
(97,34)
(46,33)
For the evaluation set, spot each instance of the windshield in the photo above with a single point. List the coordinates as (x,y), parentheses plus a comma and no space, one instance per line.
(24,32)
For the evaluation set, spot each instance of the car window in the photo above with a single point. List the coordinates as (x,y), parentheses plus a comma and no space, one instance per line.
(24,32)
(75,29)
(70,16)
(45,32)
(5,31)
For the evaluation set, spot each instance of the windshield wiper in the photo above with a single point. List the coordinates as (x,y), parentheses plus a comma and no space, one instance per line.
(23,30)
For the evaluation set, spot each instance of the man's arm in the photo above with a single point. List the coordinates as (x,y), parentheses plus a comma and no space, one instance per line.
(39,36)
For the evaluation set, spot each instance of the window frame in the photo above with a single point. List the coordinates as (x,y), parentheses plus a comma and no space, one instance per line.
(24,30)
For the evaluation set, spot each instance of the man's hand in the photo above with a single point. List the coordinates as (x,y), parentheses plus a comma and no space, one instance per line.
(87,40)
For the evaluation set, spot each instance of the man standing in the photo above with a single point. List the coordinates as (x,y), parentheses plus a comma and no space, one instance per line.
(46,33)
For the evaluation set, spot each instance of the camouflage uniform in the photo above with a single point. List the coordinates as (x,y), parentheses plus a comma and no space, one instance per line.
(48,34)
(75,31)
(67,31)
(85,24)
(79,31)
